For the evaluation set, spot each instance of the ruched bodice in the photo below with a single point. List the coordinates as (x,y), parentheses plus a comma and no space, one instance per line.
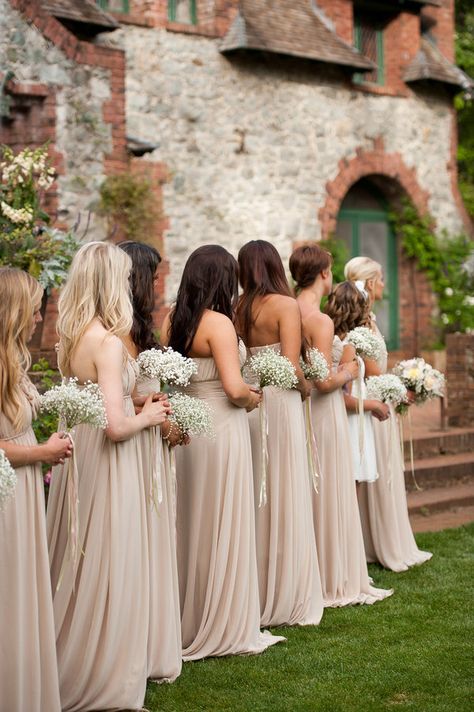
(382,359)
(336,351)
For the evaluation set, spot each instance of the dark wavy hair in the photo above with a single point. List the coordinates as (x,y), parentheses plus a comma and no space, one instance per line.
(145,261)
(348,308)
(261,272)
(210,281)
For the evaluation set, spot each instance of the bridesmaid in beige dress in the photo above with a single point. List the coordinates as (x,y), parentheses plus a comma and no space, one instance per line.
(28,667)
(288,573)
(383,505)
(215,523)
(101,601)
(342,563)
(164,637)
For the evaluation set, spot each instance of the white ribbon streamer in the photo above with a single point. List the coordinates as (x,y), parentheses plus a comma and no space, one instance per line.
(264,452)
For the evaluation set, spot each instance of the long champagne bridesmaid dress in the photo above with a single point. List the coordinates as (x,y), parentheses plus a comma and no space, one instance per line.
(101,608)
(216,532)
(28,667)
(342,563)
(164,637)
(383,504)
(287,562)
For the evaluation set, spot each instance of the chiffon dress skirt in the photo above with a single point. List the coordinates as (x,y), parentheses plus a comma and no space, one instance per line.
(216,532)
(287,562)
(164,636)
(339,540)
(383,505)
(28,667)
(101,605)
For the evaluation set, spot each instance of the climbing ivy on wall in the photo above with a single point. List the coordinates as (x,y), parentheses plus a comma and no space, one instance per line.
(447,262)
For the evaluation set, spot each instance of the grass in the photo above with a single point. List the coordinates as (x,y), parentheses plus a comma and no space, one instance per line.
(413,651)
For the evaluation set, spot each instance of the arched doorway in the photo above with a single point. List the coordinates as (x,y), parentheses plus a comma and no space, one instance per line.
(363,225)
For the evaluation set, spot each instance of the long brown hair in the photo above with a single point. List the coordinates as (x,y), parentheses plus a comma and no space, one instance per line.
(307,262)
(209,281)
(20,296)
(145,261)
(261,272)
(348,308)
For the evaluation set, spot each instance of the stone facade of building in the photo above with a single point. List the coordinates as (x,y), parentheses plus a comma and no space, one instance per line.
(253,143)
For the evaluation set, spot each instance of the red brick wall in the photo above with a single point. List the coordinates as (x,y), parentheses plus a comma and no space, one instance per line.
(443,30)
(340,12)
(213,19)
(460,379)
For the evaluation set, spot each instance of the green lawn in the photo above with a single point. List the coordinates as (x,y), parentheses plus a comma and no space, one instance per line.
(413,651)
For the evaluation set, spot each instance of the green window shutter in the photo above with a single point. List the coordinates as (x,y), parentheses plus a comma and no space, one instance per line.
(173,11)
(368,39)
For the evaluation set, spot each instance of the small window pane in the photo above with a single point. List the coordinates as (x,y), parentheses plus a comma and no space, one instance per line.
(183,11)
(369,41)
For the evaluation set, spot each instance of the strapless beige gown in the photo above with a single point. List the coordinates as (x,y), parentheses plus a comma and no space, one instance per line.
(28,667)
(287,562)
(164,637)
(388,536)
(101,607)
(217,565)
(339,540)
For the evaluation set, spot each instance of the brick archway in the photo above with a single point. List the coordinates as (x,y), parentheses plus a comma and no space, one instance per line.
(366,163)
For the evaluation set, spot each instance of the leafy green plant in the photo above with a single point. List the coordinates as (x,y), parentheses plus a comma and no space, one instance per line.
(465,102)
(129,204)
(45,378)
(26,239)
(340,255)
(445,261)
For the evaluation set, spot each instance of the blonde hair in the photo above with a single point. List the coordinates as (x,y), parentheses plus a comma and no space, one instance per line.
(20,297)
(97,287)
(362,268)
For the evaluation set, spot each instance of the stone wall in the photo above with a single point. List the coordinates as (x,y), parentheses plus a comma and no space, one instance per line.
(252,143)
(80,133)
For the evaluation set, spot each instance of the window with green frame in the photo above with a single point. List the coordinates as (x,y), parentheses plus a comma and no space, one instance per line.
(114,5)
(368,39)
(184,11)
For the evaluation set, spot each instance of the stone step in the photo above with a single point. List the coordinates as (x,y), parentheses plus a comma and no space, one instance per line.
(448,519)
(441,470)
(440,442)
(438,499)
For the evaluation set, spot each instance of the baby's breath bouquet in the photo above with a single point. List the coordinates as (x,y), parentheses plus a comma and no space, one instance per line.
(366,343)
(421,378)
(387,388)
(272,369)
(316,368)
(192,415)
(167,366)
(7,479)
(74,405)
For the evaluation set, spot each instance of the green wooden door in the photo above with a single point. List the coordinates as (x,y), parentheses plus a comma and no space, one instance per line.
(366,231)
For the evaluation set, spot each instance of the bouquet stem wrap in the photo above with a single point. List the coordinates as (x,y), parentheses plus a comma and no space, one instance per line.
(264,452)
(72,497)
(156,484)
(311,447)
(360,408)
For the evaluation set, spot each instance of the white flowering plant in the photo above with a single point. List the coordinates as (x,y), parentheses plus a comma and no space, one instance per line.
(387,388)
(273,369)
(7,480)
(26,240)
(167,366)
(315,368)
(75,405)
(193,416)
(421,378)
(366,343)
